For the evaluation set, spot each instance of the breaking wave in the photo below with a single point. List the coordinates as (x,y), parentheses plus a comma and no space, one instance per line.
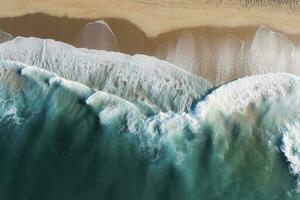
(81,124)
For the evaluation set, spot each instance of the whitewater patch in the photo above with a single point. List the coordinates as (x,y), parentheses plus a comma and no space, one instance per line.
(175,135)
(24,84)
(8,113)
(237,95)
(290,147)
(224,57)
(142,80)
(242,136)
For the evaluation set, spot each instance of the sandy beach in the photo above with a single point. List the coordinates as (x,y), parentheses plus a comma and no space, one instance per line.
(154,18)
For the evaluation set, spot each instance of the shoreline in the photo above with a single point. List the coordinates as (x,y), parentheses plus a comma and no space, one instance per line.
(131,39)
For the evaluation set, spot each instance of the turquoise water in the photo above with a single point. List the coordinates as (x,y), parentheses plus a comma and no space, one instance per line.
(54,144)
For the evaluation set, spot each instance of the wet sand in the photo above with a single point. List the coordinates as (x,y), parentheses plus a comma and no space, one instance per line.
(131,39)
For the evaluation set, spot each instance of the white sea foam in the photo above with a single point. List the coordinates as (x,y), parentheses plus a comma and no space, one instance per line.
(226,57)
(9,113)
(143,80)
(218,60)
(34,88)
(237,95)
(290,146)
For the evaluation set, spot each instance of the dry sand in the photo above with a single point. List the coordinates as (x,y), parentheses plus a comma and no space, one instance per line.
(154,17)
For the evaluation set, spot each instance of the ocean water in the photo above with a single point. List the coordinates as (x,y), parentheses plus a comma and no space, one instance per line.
(78,124)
